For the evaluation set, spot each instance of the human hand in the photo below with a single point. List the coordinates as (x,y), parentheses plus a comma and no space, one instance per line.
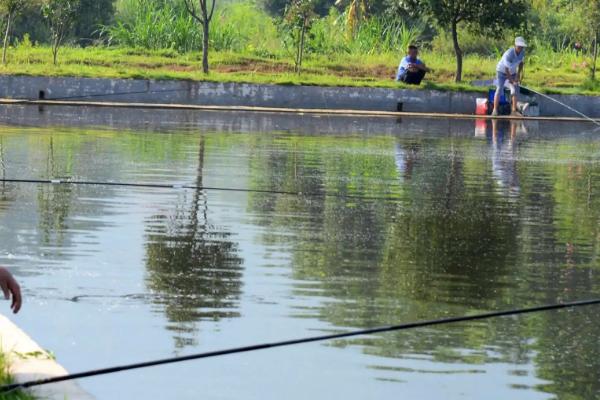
(11,289)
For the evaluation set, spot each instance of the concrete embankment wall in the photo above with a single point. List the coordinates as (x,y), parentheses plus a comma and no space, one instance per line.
(239,94)
(28,361)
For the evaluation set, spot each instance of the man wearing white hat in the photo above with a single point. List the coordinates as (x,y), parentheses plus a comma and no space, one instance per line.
(508,73)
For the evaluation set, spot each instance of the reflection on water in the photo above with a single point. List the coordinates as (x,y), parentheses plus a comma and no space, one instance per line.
(450,224)
(504,149)
(194,262)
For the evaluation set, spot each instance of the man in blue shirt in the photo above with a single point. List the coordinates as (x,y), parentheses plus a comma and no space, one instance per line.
(508,73)
(412,70)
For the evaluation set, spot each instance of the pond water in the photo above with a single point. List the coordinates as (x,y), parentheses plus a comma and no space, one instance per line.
(394,226)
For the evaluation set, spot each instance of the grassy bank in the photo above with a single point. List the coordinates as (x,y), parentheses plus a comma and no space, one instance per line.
(6,379)
(554,73)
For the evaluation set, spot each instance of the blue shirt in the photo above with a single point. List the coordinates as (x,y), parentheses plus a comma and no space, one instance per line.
(403,67)
(511,60)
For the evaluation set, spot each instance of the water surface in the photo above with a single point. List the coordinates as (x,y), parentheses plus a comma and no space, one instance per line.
(391,227)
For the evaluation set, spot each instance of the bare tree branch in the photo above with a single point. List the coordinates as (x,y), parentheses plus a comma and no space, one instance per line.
(189,5)
(212,10)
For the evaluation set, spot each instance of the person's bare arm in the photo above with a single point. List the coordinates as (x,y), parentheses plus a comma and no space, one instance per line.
(423,67)
(11,289)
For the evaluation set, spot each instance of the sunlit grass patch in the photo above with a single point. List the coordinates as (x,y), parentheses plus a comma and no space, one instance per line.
(565,74)
(6,379)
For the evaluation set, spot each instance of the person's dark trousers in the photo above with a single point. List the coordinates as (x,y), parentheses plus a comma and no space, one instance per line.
(413,78)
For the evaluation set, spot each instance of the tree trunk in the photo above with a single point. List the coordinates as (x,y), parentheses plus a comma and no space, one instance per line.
(55,51)
(6,36)
(297,57)
(301,47)
(198,195)
(457,51)
(205,44)
(595,56)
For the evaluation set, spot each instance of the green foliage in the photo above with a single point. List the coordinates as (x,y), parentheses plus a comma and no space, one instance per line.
(11,8)
(60,16)
(159,39)
(560,24)
(356,14)
(238,27)
(148,24)
(471,43)
(31,22)
(277,8)
(476,15)
(376,35)
(327,35)
(593,24)
(380,34)
(6,379)
(243,27)
(295,26)
(92,15)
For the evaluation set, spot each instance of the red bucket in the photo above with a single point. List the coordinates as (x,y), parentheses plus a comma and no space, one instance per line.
(481,107)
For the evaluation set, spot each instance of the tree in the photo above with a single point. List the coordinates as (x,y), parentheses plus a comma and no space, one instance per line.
(30,21)
(203,13)
(297,21)
(60,16)
(12,8)
(594,24)
(193,263)
(478,15)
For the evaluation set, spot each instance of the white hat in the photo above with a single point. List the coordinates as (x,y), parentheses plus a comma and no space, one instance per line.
(520,42)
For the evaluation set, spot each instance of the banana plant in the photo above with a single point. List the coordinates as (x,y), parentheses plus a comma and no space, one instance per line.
(356,13)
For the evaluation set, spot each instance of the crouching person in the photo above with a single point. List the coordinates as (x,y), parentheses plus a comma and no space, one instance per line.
(411,69)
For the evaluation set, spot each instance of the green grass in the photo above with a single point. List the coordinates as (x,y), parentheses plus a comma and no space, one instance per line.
(559,73)
(6,379)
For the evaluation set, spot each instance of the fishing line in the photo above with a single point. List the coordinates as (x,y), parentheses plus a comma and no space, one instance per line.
(292,342)
(194,187)
(562,104)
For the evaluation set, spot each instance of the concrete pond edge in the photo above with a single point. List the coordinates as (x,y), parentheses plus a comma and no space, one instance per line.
(267,95)
(28,361)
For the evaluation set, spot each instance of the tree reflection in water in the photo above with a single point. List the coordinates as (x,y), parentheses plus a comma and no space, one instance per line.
(473,228)
(192,265)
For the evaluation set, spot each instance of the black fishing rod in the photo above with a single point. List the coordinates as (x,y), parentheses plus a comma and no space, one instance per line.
(194,187)
(264,346)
